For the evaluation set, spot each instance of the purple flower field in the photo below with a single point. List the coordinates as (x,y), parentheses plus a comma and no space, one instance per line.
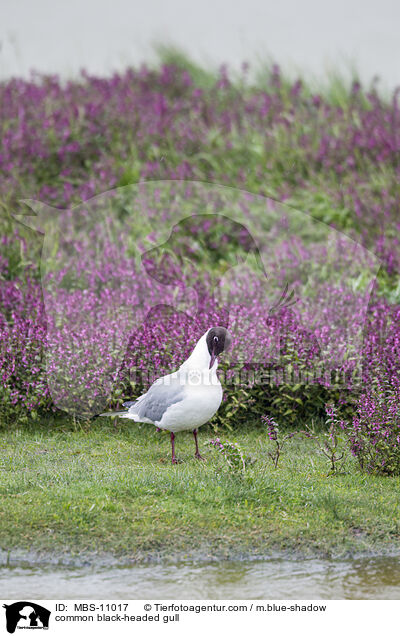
(121,286)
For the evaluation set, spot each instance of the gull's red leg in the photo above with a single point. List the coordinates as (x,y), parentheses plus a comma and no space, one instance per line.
(197,453)
(174,460)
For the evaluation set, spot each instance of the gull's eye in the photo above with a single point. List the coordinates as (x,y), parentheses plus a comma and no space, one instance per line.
(215,338)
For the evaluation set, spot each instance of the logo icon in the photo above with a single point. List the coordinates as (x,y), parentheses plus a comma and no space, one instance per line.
(26,615)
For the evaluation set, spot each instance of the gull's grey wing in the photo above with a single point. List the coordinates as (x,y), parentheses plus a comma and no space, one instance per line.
(161,395)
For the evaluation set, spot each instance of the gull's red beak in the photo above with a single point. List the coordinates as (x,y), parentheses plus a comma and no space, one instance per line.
(213,357)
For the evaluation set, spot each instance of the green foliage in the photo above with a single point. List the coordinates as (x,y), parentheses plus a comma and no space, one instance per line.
(331,442)
(235,458)
(292,404)
(374,432)
(321,206)
(80,488)
(261,133)
(172,55)
(277,440)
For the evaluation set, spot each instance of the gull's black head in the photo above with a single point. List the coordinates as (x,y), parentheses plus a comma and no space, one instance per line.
(218,340)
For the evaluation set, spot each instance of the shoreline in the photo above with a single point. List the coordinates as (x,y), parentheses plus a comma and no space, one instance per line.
(19,558)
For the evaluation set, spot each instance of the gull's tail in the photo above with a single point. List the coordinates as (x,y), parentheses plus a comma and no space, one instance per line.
(127,413)
(113,413)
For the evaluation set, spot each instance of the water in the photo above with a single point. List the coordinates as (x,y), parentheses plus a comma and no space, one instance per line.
(57,39)
(361,578)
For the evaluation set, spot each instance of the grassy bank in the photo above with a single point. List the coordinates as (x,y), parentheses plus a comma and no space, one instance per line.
(112,489)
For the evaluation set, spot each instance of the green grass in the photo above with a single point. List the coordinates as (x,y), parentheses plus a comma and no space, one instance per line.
(112,489)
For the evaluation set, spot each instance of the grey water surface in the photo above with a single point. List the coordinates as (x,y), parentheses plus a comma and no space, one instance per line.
(358,578)
(310,37)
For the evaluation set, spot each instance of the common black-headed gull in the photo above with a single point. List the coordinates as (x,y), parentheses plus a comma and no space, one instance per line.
(187,398)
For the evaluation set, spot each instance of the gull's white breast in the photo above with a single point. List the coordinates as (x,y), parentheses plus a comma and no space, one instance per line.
(200,403)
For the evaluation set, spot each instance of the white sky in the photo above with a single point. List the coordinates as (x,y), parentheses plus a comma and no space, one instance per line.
(311,35)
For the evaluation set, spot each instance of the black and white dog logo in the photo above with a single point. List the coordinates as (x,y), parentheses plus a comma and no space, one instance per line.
(26,615)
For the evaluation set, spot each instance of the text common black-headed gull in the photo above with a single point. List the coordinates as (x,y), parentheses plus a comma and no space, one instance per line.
(187,398)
